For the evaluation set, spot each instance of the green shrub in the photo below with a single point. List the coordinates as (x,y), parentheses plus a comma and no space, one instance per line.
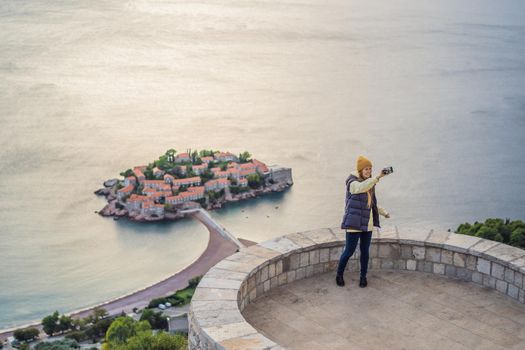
(238,189)
(78,336)
(155,302)
(65,344)
(505,231)
(192,283)
(517,237)
(176,300)
(26,334)
(254,180)
(155,319)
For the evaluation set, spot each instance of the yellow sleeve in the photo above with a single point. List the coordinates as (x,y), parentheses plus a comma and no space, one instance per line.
(363,186)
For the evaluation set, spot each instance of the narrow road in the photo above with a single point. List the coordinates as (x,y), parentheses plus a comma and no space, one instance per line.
(203,216)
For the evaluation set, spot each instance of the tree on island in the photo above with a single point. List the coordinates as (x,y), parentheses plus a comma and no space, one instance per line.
(127,173)
(190,172)
(206,153)
(254,180)
(194,155)
(244,157)
(163,163)
(148,173)
(206,175)
(214,195)
(170,154)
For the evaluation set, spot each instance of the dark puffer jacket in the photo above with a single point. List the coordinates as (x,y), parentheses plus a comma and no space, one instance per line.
(357,213)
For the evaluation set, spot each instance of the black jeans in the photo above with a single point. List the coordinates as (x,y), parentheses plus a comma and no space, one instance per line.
(351,243)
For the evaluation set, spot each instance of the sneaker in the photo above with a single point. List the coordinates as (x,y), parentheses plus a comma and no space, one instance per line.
(339,280)
(363,282)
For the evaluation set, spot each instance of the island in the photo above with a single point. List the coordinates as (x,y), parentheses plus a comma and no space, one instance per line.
(177,182)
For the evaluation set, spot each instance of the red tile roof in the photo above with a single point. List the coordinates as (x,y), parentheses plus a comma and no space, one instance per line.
(126,189)
(137,198)
(196,189)
(194,179)
(262,167)
(138,173)
(246,166)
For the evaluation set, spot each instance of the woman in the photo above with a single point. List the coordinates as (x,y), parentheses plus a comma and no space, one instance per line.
(361,215)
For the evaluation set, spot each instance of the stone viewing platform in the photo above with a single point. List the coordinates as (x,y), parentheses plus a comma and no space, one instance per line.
(427,289)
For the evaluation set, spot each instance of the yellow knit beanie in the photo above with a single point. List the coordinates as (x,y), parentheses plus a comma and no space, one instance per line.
(363,162)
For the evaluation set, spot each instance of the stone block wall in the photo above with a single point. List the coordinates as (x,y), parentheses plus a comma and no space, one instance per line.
(216,320)
(281,174)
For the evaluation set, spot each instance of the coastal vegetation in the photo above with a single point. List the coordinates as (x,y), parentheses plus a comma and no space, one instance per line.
(180,297)
(55,323)
(155,319)
(63,344)
(90,327)
(128,334)
(117,333)
(26,334)
(504,231)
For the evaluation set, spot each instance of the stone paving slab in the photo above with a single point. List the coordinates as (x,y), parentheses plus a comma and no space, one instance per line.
(412,236)
(236,266)
(227,331)
(504,253)
(300,240)
(282,245)
(340,234)
(387,234)
(220,283)
(436,238)
(519,264)
(248,342)
(214,294)
(398,310)
(481,247)
(215,272)
(261,251)
(209,318)
(209,305)
(320,236)
(460,243)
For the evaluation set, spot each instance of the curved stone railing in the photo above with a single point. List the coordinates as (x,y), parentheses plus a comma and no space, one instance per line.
(215,315)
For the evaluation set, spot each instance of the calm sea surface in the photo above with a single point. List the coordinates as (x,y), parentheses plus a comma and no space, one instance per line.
(435,89)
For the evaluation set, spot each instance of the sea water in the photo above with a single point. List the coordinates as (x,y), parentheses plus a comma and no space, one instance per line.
(90,88)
